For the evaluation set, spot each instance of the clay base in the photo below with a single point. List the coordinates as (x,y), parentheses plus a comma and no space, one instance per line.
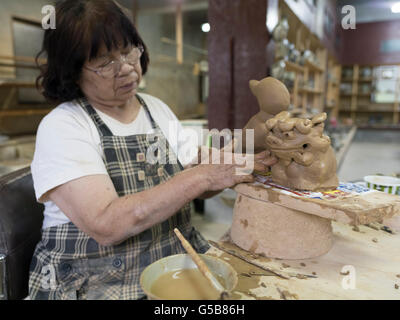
(278,232)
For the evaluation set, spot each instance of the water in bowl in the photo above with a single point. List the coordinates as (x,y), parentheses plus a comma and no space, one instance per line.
(185,284)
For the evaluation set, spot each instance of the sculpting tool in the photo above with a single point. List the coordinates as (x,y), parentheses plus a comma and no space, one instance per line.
(202,266)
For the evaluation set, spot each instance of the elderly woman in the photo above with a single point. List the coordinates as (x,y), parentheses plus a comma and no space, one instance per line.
(109,212)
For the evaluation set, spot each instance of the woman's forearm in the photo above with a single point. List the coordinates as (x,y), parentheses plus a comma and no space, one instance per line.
(132,214)
(209,194)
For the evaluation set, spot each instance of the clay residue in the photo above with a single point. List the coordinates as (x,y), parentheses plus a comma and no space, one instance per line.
(273,196)
(244,222)
(258,193)
(248,278)
(254,246)
(286,295)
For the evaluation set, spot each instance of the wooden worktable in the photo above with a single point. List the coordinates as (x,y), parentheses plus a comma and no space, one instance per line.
(368,253)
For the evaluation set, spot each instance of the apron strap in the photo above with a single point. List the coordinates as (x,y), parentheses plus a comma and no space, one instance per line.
(154,124)
(103,129)
(99,123)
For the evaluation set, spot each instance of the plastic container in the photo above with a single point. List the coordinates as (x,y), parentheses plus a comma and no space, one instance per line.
(386,184)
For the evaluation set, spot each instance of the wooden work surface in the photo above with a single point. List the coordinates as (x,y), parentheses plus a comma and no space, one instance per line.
(349,203)
(369,253)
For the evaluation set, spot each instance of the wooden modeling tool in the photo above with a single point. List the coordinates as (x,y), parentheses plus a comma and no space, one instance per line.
(202,266)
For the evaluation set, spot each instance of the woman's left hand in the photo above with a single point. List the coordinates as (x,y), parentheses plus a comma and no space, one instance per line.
(259,162)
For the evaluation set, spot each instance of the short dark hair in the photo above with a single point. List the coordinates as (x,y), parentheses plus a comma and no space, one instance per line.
(82,26)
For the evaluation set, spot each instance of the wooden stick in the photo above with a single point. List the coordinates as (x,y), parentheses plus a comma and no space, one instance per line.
(179,34)
(201,265)
(23,59)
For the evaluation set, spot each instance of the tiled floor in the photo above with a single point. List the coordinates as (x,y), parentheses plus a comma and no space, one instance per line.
(370,152)
(217,216)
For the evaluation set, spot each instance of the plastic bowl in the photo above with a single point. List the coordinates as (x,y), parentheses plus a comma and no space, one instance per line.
(386,184)
(183,261)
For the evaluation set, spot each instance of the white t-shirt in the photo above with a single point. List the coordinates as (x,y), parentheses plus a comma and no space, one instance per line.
(68,146)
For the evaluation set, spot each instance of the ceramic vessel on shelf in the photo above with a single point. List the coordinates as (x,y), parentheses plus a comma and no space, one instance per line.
(281,30)
(282,49)
(278,69)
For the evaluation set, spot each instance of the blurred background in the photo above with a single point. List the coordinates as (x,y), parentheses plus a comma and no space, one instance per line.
(202,56)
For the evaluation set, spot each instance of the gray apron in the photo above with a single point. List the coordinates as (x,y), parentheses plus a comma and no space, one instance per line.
(68,264)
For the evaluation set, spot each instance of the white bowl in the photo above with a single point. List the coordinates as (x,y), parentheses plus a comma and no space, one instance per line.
(383,183)
(183,261)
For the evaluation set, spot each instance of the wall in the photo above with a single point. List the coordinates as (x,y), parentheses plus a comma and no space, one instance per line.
(237,54)
(331,38)
(8,8)
(363,45)
(176,85)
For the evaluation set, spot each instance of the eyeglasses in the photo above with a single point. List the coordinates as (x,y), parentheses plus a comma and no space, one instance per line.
(112,68)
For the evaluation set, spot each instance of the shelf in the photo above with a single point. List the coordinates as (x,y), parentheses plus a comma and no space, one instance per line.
(291,66)
(17,84)
(362,105)
(296,111)
(314,67)
(381,126)
(310,90)
(366,111)
(310,75)
(365,79)
(334,83)
(345,146)
(347,80)
(330,105)
(28,112)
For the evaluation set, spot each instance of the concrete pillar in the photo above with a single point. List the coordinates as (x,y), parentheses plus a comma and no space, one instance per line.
(237,45)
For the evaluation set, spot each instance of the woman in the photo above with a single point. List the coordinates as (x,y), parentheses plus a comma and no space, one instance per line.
(109,212)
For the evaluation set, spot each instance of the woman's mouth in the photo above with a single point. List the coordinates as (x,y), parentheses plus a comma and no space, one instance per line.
(128,86)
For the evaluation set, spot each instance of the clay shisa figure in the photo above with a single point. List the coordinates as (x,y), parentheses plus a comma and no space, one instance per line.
(273,97)
(261,223)
(286,225)
(306,160)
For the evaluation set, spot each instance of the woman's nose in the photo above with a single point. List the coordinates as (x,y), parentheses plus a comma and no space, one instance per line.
(126,69)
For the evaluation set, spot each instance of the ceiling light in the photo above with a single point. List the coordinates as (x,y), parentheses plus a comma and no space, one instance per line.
(396,7)
(205,27)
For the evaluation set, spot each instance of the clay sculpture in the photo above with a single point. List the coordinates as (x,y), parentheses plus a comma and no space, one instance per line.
(306,158)
(273,97)
(306,161)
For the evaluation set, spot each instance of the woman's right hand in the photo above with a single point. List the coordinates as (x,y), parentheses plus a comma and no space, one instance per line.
(223,169)
(221,176)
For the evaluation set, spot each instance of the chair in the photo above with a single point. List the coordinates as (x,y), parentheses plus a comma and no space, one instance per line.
(21,220)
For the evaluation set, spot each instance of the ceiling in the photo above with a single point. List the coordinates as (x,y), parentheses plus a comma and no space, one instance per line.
(366,10)
(371,10)
(165,5)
